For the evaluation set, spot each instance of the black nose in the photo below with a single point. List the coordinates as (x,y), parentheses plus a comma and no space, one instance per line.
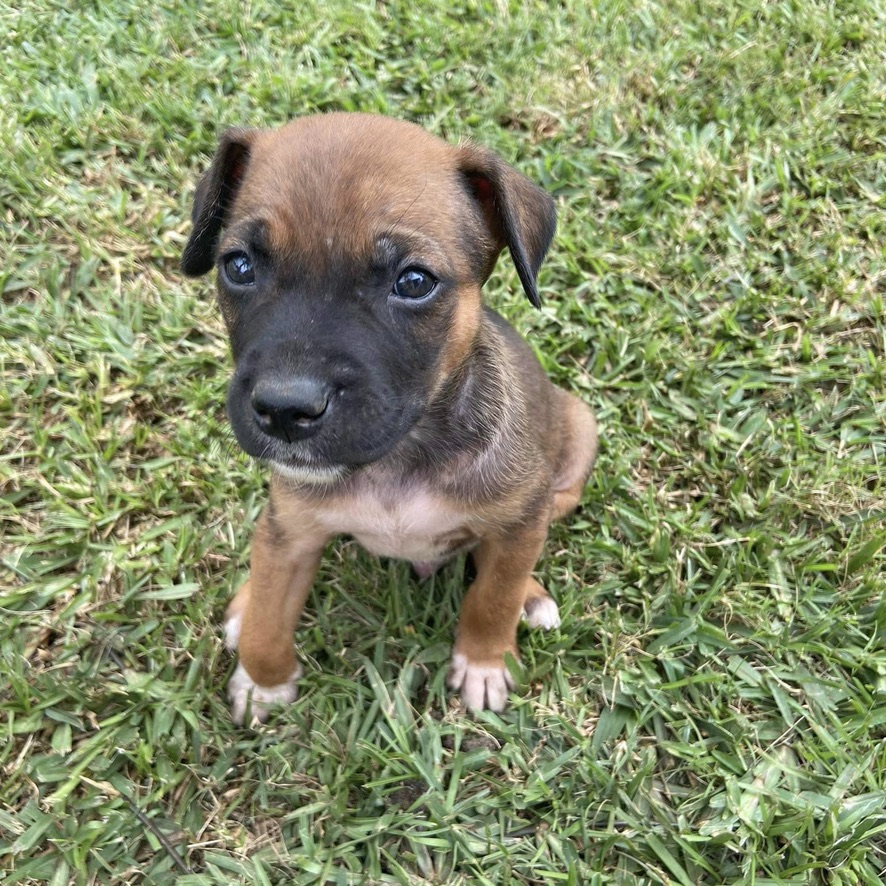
(290,408)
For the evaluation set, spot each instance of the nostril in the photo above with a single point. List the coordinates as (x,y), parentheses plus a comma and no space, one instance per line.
(308,412)
(262,417)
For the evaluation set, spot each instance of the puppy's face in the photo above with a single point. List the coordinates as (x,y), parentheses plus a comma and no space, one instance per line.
(350,253)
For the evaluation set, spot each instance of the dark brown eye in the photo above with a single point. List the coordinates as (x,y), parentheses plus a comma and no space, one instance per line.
(238,269)
(414,283)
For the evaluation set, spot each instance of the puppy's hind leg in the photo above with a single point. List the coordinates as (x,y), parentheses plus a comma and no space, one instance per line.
(539,608)
(578,453)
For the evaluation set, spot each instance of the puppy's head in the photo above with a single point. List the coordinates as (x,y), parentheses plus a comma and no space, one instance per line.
(350,252)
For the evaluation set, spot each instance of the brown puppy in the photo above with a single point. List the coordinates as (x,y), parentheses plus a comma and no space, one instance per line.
(391,404)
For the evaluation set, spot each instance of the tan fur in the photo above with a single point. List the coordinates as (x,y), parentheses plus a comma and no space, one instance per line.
(462,331)
(487,625)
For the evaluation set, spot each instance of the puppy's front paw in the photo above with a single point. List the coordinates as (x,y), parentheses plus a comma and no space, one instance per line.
(244,694)
(481,686)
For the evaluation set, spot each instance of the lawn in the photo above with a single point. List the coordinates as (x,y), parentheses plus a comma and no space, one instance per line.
(713,708)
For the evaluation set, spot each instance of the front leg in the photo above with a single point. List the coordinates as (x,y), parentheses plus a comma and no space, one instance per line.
(262,617)
(490,613)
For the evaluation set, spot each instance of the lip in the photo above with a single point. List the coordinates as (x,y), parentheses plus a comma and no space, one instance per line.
(311,475)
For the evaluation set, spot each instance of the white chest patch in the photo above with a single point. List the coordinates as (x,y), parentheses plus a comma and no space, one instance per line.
(417,526)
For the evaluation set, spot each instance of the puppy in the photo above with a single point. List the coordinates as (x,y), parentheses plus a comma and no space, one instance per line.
(390,403)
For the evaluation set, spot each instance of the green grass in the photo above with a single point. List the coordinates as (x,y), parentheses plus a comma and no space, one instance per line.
(713,710)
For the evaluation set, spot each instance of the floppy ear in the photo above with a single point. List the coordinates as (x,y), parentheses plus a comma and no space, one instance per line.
(518,213)
(213,198)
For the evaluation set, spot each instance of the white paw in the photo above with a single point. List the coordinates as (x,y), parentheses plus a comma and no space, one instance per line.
(481,686)
(232,631)
(541,612)
(245,695)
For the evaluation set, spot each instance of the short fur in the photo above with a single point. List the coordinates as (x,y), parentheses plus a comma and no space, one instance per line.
(422,427)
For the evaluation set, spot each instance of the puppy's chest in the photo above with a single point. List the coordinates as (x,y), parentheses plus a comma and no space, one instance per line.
(416,526)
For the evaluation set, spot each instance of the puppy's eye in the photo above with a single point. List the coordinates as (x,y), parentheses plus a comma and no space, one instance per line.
(238,269)
(414,283)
